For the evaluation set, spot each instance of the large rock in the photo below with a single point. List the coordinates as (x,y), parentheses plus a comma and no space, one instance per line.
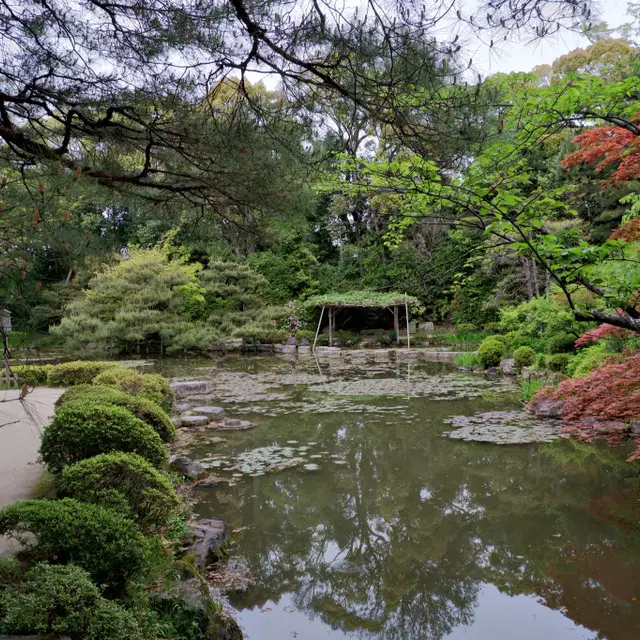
(285,348)
(190,388)
(213,412)
(187,467)
(204,540)
(546,407)
(195,594)
(508,366)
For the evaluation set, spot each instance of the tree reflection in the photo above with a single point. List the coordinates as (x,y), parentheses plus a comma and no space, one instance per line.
(398,543)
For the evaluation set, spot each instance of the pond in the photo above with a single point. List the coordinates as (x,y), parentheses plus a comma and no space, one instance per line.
(384,528)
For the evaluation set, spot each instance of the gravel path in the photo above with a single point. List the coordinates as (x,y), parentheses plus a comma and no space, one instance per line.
(21,425)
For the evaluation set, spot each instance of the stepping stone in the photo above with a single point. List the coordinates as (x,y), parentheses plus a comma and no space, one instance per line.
(190,388)
(212,412)
(194,421)
(232,424)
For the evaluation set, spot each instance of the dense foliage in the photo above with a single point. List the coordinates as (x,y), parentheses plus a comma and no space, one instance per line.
(125,482)
(142,408)
(79,431)
(150,386)
(65,531)
(78,372)
(63,600)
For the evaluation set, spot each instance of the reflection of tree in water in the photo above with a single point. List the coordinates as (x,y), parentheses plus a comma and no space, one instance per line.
(398,544)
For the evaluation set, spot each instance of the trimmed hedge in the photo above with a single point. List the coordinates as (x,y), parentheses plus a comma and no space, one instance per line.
(125,482)
(523,357)
(148,385)
(56,599)
(110,547)
(32,374)
(78,372)
(142,408)
(491,350)
(79,431)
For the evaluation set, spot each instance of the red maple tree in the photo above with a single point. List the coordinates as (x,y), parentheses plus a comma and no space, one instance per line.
(607,147)
(629,231)
(602,332)
(605,404)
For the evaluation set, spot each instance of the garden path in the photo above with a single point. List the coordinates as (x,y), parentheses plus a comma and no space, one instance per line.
(21,425)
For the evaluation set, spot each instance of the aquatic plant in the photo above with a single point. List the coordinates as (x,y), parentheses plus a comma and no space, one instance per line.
(529,388)
(466,359)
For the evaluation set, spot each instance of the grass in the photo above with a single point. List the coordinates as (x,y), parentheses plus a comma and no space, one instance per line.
(466,360)
(529,388)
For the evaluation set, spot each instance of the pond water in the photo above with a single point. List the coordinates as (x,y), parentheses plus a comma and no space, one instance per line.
(402,533)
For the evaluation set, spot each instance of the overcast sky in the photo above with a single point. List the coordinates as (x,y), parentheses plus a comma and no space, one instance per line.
(514,56)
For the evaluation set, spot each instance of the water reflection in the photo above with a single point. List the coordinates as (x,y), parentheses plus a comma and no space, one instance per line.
(422,537)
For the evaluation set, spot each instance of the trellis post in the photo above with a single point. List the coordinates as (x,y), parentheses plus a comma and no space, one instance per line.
(406,308)
(317,331)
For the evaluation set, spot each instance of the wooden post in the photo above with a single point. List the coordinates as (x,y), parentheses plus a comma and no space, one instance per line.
(396,323)
(331,326)
(406,308)
(317,331)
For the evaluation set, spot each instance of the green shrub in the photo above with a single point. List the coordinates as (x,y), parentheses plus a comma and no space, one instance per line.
(493,327)
(349,338)
(32,374)
(491,351)
(465,327)
(523,357)
(561,343)
(110,547)
(125,482)
(52,599)
(147,410)
(516,339)
(147,385)
(55,599)
(78,372)
(10,571)
(586,360)
(80,431)
(558,361)
(109,621)
(306,333)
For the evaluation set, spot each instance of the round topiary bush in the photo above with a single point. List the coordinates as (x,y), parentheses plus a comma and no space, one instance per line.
(148,385)
(79,431)
(523,357)
(32,374)
(558,361)
(110,547)
(125,482)
(142,408)
(491,351)
(78,372)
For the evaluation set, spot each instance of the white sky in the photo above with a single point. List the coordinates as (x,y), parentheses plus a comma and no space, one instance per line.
(513,56)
